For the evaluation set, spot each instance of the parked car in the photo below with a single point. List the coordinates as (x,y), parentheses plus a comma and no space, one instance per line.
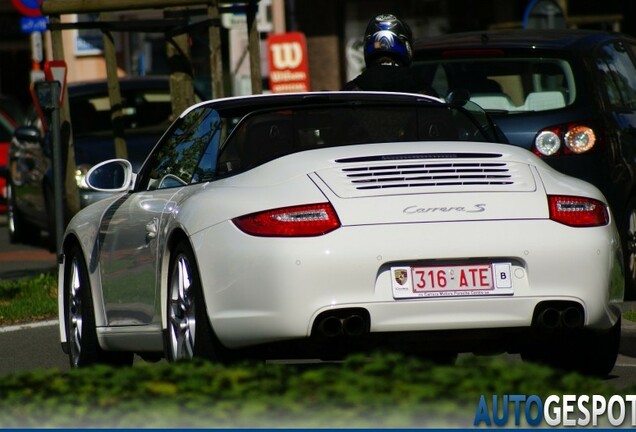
(10,116)
(311,225)
(7,126)
(569,96)
(147,110)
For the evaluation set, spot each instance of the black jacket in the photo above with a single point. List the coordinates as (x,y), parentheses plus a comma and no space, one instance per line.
(388,78)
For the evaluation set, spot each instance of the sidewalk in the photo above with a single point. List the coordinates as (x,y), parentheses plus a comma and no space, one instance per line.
(22,260)
(18,264)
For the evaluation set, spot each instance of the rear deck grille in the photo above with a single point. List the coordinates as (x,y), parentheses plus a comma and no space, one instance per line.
(385,175)
(429,175)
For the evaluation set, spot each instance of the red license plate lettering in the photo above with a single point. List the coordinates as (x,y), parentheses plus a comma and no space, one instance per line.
(452,278)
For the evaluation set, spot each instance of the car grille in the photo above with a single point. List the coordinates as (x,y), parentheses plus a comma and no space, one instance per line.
(384,177)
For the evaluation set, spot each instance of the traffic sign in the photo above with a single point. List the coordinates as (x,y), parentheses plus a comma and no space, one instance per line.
(55,70)
(30,8)
(33,24)
(288,64)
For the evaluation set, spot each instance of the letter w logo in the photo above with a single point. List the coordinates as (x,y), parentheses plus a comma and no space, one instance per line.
(286,55)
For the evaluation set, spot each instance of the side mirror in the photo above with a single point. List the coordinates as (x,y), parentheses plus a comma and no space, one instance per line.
(28,134)
(458,97)
(114,175)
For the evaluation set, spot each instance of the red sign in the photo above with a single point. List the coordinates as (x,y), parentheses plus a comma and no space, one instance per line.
(55,70)
(30,8)
(288,65)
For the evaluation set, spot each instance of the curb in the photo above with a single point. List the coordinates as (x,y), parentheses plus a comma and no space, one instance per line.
(24,273)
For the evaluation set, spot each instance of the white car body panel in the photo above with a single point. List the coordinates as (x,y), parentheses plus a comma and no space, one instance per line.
(284,302)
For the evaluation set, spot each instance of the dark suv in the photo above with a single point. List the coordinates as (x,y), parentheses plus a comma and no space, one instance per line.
(147,112)
(569,96)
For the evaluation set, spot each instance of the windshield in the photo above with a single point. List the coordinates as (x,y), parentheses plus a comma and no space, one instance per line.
(504,84)
(268,134)
(141,109)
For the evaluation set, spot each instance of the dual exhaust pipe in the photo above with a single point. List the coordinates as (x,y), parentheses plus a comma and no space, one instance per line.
(352,323)
(556,316)
(548,317)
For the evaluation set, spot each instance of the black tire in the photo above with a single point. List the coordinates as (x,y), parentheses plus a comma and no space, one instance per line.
(20,231)
(81,335)
(628,237)
(598,351)
(443,359)
(188,333)
(587,352)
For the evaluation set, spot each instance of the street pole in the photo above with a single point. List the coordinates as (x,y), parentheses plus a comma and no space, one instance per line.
(48,95)
(58,170)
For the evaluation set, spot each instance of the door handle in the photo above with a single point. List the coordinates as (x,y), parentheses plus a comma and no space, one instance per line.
(151,229)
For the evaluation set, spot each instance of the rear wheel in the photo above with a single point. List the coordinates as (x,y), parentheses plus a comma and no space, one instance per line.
(188,333)
(587,352)
(81,334)
(629,250)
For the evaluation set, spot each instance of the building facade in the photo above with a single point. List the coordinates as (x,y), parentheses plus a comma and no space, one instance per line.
(333,30)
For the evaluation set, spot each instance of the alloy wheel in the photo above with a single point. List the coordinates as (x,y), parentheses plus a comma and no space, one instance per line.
(75,313)
(10,211)
(631,245)
(181,313)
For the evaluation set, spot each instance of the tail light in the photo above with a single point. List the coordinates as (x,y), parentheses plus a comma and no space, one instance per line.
(572,138)
(299,221)
(577,211)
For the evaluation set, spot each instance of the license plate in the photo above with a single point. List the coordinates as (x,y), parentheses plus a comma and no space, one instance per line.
(451,280)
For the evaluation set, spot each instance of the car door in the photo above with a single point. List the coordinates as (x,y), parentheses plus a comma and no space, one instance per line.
(128,256)
(617,85)
(132,232)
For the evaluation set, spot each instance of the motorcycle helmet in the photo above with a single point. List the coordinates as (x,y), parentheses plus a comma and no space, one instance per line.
(387,36)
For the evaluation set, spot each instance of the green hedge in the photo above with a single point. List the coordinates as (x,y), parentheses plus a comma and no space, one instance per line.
(381,391)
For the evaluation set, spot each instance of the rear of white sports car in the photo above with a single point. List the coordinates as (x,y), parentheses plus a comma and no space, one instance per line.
(316,224)
(479,249)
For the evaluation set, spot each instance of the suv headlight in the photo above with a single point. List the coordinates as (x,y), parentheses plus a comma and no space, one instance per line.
(80,176)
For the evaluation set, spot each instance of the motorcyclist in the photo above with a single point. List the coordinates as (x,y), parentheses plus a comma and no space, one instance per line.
(387,56)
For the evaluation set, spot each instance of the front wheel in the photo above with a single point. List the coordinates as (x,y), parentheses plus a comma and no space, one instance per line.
(188,333)
(81,335)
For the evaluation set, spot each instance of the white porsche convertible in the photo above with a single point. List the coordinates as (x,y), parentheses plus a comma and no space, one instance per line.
(313,225)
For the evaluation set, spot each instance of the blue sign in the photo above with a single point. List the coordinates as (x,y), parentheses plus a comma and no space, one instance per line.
(33,24)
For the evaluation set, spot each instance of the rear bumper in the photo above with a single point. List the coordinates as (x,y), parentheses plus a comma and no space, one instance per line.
(266,290)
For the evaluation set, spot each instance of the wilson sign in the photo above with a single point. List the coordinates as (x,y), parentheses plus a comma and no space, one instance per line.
(288,66)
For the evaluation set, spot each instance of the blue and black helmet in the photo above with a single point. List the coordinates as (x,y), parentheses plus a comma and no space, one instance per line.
(387,36)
